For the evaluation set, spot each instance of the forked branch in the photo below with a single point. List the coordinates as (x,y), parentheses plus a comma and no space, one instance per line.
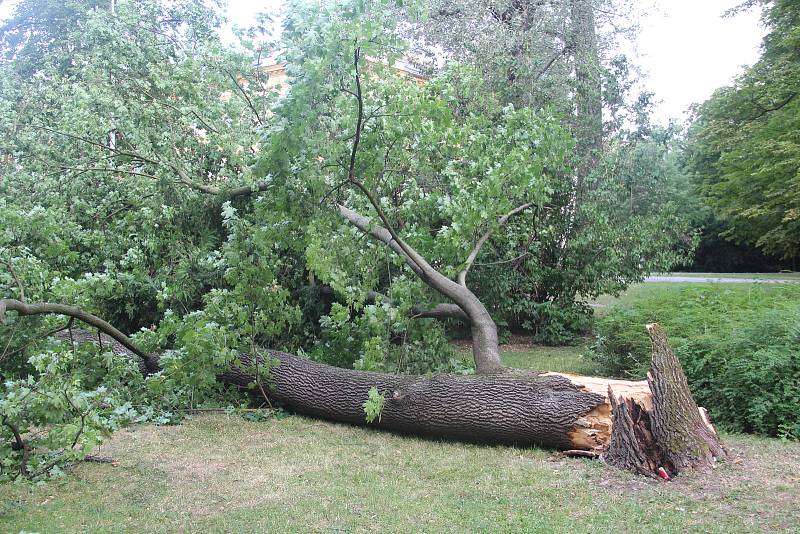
(473,255)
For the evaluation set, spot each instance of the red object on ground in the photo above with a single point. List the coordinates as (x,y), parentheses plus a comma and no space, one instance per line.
(663,473)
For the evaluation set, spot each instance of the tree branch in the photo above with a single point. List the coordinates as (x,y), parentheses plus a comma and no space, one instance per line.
(19,444)
(440,311)
(775,107)
(381,234)
(47,308)
(485,345)
(246,98)
(186,180)
(107,169)
(421,267)
(462,276)
(17,281)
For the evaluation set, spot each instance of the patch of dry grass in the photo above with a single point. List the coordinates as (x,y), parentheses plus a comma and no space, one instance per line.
(223,474)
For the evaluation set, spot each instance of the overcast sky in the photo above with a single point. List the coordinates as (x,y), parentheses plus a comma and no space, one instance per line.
(688,50)
(685,47)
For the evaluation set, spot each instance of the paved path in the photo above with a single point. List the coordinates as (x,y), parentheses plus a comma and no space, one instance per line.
(707,279)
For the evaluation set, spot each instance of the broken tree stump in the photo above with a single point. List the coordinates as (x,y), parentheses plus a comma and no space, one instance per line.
(666,429)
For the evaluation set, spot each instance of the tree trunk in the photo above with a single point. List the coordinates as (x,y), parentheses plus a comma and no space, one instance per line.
(635,425)
(588,88)
(640,426)
(524,408)
(665,430)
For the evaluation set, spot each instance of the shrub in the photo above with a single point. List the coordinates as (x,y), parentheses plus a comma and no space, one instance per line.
(740,348)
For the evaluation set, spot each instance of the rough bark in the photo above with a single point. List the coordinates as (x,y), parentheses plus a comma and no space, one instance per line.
(682,430)
(525,409)
(665,429)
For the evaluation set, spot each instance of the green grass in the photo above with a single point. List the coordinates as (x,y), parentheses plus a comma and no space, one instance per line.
(662,290)
(560,359)
(224,474)
(756,276)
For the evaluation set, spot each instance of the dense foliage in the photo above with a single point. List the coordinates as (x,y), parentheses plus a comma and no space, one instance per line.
(156,177)
(744,147)
(739,346)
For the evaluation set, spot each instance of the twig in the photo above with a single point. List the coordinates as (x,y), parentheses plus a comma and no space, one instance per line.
(462,276)
(16,279)
(48,334)
(80,413)
(581,454)
(501,262)
(246,98)
(101,459)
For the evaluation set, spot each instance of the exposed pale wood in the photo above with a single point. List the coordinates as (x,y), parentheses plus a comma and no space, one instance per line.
(593,430)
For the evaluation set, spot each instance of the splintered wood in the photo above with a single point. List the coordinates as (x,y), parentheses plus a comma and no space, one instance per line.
(592,432)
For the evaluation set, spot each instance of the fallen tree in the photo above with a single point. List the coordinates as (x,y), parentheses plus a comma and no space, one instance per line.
(439,181)
(640,426)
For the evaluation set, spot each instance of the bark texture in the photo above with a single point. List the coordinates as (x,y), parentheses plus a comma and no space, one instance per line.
(686,436)
(525,409)
(666,429)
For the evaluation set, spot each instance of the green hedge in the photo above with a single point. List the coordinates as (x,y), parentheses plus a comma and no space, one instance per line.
(739,345)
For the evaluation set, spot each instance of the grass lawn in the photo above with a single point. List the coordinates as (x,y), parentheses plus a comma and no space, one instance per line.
(217,473)
(560,359)
(224,474)
(649,289)
(756,276)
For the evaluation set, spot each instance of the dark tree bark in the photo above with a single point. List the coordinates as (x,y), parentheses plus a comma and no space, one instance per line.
(682,430)
(525,409)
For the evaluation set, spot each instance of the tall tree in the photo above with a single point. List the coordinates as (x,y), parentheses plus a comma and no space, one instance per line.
(744,146)
(588,89)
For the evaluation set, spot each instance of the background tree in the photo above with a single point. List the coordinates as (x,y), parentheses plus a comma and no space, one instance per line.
(557,55)
(743,145)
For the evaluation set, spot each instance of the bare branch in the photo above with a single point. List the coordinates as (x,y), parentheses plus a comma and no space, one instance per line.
(246,98)
(485,346)
(421,266)
(462,276)
(381,234)
(107,169)
(186,180)
(502,262)
(440,311)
